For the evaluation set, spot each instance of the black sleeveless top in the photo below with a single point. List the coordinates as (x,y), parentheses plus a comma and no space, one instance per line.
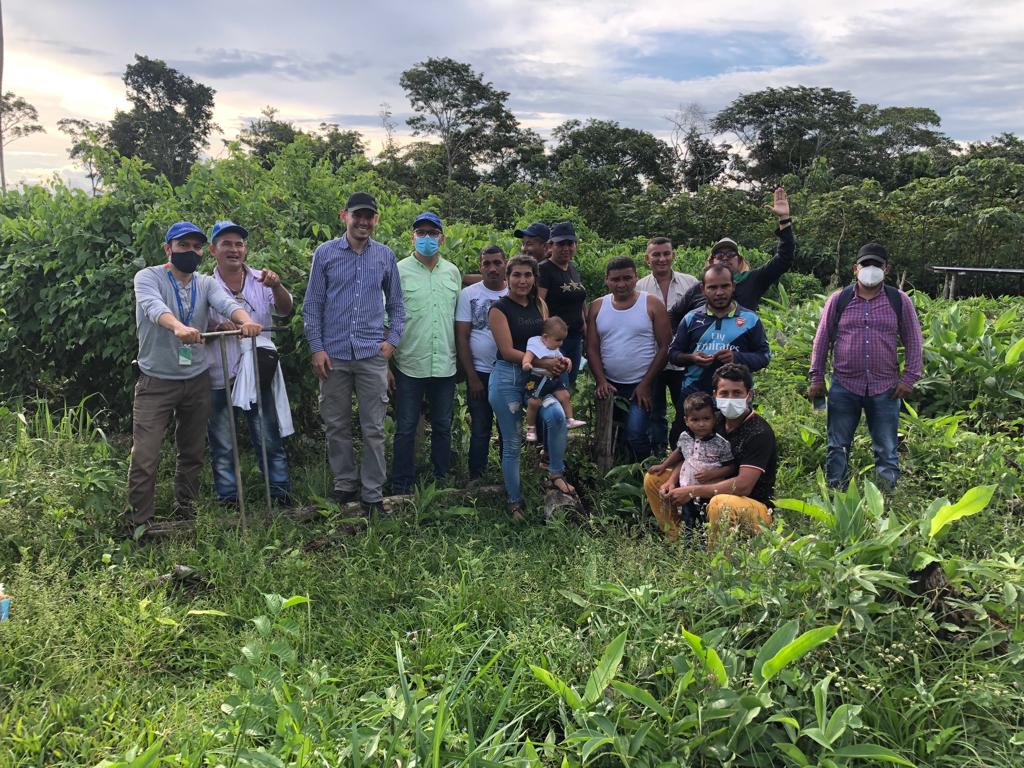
(523,322)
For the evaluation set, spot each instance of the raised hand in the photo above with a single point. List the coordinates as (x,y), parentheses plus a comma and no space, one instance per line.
(780,204)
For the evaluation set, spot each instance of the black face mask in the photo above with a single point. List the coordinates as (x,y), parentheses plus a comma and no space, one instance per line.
(186,261)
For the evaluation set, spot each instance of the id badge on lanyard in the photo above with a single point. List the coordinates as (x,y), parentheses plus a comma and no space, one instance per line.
(184,351)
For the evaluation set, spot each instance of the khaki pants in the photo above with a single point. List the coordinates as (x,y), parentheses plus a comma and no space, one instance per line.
(368,378)
(156,400)
(725,511)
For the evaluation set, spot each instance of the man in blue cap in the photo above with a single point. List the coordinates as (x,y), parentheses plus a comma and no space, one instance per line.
(263,295)
(172,304)
(535,240)
(425,359)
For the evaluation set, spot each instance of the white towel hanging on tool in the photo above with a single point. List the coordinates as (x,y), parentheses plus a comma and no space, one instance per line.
(243,392)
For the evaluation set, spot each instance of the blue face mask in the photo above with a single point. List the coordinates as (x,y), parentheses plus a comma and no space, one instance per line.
(426,246)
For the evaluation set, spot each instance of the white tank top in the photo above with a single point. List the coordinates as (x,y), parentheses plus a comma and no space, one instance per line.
(628,346)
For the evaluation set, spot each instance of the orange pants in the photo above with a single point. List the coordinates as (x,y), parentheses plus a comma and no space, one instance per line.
(725,511)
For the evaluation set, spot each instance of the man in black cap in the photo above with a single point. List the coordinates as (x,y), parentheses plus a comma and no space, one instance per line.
(535,240)
(172,304)
(353,286)
(862,326)
(560,285)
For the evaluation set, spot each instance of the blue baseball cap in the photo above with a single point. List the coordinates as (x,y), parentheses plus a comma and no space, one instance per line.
(538,229)
(227,226)
(181,229)
(430,216)
(563,231)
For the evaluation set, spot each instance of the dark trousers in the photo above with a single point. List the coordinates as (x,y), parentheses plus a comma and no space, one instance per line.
(481,419)
(409,394)
(156,401)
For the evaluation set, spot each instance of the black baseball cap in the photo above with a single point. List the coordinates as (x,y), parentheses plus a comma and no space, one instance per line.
(563,231)
(872,252)
(361,201)
(538,229)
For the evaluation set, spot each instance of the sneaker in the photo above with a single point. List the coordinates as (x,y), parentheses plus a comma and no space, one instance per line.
(344,497)
(373,509)
(531,434)
(574,423)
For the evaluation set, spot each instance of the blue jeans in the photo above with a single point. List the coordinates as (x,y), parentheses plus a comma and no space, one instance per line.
(481,416)
(672,381)
(572,348)
(219,432)
(883,417)
(409,393)
(506,392)
(638,422)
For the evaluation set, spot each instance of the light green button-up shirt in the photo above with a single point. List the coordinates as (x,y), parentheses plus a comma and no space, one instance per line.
(427,348)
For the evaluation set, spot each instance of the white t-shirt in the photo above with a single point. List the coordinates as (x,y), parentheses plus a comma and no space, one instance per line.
(474,303)
(540,351)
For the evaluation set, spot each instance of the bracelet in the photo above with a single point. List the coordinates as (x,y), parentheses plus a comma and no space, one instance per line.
(787,220)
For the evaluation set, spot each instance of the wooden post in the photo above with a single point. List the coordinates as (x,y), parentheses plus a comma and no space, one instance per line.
(604,447)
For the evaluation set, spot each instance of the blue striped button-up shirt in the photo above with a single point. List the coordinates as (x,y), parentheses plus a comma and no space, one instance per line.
(347,297)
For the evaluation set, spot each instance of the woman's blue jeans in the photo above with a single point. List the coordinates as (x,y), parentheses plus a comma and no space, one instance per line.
(506,394)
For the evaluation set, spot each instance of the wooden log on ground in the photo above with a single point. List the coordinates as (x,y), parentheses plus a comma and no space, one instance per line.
(604,434)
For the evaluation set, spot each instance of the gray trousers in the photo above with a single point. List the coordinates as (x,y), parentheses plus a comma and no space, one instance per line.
(369,379)
(156,401)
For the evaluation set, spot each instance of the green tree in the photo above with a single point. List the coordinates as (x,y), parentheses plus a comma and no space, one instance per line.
(87,137)
(337,145)
(266,135)
(170,119)
(469,116)
(18,119)
(629,159)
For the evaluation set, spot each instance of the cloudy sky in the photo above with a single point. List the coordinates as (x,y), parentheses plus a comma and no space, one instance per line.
(635,61)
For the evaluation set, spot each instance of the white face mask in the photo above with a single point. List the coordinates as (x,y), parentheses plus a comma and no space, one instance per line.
(731,407)
(869,277)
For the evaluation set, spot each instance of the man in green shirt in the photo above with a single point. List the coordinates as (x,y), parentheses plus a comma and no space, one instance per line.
(424,361)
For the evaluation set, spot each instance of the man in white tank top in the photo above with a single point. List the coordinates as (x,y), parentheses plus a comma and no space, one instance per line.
(627,347)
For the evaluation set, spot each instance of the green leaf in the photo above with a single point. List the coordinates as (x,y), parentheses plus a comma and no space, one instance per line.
(294,600)
(811,510)
(972,502)
(1013,353)
(871,752)
(605,671)
(782,637)
(642,697)
(975,326)
(708,656)
(798,648)
(793,752)
(564,691)
(208,612)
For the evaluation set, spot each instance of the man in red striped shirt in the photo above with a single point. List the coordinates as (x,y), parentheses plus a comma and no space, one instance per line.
(862,326)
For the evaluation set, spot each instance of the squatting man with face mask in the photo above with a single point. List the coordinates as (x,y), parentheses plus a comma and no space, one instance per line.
(171,304)
(862,327)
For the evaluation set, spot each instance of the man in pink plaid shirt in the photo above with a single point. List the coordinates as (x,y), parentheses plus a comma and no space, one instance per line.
(862,326)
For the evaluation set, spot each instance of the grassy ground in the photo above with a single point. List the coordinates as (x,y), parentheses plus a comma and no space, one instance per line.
(447,635)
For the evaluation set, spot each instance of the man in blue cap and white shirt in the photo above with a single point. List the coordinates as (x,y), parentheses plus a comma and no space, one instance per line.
(262,294)
(425,358)
(171,304)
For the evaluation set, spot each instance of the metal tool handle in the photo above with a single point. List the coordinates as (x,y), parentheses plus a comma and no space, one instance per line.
(237,332)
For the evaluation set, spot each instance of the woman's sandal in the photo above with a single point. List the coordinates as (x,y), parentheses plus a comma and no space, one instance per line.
(515,509)
(565,488)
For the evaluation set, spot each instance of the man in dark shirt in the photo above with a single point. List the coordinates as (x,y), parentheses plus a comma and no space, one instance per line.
(561,287)
(743,501)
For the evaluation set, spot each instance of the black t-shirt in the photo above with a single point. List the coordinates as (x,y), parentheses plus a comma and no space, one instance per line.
(566,294)
(523,322)
(753,445)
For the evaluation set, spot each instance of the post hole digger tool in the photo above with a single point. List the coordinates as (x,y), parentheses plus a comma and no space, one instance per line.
(222,336)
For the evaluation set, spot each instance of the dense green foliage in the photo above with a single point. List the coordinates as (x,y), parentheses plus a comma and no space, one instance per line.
(448,636)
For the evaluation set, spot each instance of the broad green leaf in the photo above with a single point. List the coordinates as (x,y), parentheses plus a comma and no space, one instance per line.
(975,326)
(871,752)
(642,697)
(709,657)
(564,691)
(798,648)
(1013,353)
(208,612)
(811,510)
(293,601)
(792,751)
(605,671)
(782,637)
(972,502)
(1005,320)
